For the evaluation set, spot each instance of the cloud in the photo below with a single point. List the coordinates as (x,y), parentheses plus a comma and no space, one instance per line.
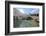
(29,10)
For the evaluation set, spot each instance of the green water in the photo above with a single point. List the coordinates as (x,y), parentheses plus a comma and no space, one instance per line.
(23,23)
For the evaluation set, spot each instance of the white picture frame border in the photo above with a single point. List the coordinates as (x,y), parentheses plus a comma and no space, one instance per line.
(29,28)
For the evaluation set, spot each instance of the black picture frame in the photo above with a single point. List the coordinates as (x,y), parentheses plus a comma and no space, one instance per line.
(7,17)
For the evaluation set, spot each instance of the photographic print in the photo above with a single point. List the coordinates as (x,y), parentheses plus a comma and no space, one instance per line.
(24,17)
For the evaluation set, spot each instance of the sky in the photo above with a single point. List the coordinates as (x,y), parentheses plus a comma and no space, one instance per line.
(28,10)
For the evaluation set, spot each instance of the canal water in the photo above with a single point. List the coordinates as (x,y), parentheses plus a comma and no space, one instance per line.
(25,23)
